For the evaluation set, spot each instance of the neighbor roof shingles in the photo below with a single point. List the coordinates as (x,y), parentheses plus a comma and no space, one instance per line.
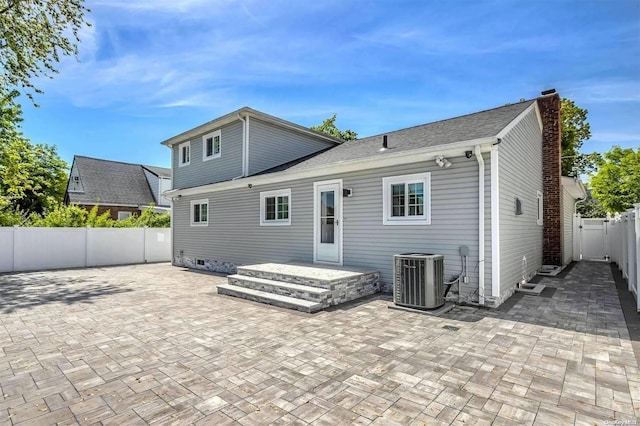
(111,182)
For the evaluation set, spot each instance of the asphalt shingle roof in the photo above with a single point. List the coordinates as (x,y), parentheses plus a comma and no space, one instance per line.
(111,182)
(467,127)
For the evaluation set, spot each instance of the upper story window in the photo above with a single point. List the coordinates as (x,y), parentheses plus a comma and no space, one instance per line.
(211,145)
(184,154)
(406,199)
(275,207)
(200,213)
(540,218)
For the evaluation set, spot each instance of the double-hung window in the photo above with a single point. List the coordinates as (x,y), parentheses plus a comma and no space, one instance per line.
(199,212)
(275,207)
(406,199)
(211,145)
(184,154)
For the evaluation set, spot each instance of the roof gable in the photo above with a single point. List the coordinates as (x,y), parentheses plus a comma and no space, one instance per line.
(110,182)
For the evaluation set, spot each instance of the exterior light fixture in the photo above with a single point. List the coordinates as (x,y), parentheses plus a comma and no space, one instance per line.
(443,162)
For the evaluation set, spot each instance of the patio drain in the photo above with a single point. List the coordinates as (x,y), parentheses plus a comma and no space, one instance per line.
(450,327)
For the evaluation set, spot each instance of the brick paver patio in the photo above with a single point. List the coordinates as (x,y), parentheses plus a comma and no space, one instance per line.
(156,344)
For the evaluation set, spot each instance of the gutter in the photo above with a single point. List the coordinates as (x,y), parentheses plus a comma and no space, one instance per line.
(478,152)
(385,160)
(245,131)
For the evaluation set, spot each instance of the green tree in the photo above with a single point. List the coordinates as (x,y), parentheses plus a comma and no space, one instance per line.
(60,216)
(591,207)
(32,176)
(329,127)
(616,184)
(575,130)
(34,35)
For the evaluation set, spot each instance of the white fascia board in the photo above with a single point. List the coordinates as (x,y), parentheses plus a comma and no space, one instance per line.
(387,160)
(246,112)
(575,187)
(515,121)
(495,222)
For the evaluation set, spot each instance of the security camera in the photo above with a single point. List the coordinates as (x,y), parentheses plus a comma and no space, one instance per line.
(468,154)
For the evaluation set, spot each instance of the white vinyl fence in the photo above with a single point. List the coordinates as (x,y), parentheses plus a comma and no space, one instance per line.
(624,246)
(33,249)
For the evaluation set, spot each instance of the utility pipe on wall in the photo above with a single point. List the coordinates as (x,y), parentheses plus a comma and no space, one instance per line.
(480,225)
(244,149)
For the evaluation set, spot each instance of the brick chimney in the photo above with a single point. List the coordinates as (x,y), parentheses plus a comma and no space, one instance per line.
(549,104)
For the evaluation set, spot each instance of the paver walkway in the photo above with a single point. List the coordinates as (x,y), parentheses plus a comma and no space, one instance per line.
(156,344)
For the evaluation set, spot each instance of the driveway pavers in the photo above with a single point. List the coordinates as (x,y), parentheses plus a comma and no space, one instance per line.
(156,344)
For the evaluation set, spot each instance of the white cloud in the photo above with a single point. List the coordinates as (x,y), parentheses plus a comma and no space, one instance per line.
(605,91)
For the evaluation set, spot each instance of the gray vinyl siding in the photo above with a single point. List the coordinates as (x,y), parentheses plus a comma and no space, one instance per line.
(154,184)
(234,234)
(520,176)
(567,226)
(198,172)
(271,146)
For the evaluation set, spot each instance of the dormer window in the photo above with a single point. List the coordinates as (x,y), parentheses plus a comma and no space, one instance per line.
(211,145)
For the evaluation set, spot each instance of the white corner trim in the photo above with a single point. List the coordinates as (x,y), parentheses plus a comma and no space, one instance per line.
(481,247)
(276,193)
(540,207)
(245,157)
(517,120)
(495,222)
(425,179)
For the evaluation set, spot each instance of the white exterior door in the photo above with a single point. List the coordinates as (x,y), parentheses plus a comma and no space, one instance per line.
(327,227)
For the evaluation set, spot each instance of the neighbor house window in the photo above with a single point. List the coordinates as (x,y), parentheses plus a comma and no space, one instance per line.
(406,199)
(184,154)
(199,212)
(275,207)
(540,218)
(123,215)
(211,144)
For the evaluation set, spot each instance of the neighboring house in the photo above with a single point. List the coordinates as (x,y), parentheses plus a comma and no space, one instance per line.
(252,188)
(122,188)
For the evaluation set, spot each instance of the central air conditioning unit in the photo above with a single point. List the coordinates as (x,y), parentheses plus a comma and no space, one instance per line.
(418,280)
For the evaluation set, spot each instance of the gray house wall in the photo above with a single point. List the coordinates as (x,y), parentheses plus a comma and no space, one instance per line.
(234,237)
(198,172)
(520,176)
(270,146)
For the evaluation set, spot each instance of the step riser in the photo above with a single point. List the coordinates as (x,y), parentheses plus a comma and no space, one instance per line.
(274,276)
(269,288)
(238,293)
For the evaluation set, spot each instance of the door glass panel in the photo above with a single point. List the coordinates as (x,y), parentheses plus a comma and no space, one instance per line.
(327,217)
(327,231)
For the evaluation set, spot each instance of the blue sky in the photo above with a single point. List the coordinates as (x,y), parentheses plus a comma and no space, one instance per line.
(150,69)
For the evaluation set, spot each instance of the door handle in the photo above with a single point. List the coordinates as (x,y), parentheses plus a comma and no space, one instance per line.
(337,222)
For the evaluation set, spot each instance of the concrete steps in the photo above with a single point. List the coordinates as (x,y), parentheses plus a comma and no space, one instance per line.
(270,298)
(306,288)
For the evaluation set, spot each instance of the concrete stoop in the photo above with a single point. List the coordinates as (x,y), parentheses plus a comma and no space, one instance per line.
(301,287)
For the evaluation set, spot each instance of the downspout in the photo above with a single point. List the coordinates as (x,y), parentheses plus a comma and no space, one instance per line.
(480,225)
(244,147)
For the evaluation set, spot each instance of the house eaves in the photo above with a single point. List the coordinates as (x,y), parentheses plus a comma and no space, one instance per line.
(390,159)
(246,112)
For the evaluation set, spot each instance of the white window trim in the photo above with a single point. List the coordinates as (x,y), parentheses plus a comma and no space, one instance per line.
(180,159)
(269,194)
(425,219)
(211,135)
(123,215)
(199,202)
(540,206)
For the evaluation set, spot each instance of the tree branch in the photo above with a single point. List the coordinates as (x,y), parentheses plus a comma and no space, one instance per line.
(9,7)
